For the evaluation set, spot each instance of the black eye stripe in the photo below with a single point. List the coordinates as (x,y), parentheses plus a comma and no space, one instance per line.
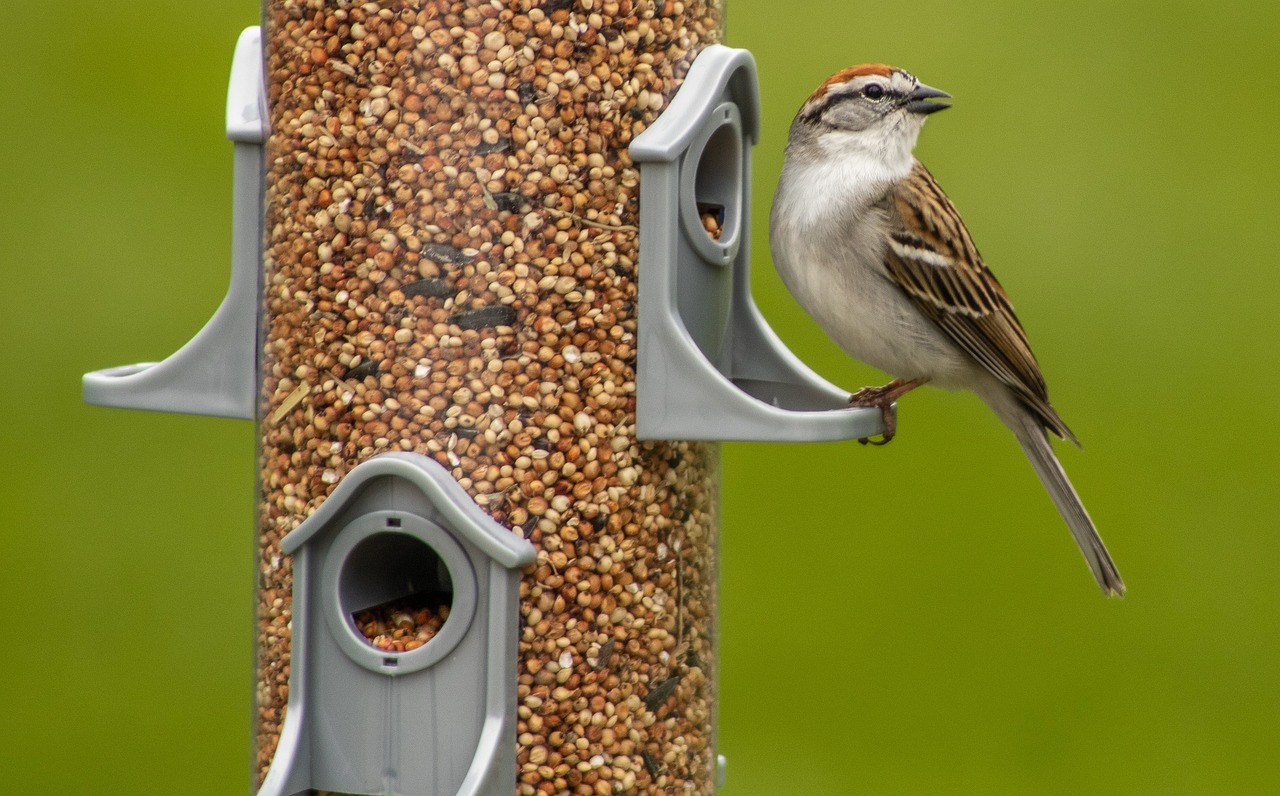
(861,94)
(844,94)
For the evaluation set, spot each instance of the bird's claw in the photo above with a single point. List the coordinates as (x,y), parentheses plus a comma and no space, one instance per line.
(890,421)
(882,398)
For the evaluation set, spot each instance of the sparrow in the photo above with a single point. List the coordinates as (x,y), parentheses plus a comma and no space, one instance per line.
(870,245)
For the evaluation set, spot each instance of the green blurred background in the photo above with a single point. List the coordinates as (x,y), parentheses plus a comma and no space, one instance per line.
(900,620)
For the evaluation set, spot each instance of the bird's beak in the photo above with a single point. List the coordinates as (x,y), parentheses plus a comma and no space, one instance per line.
(918,100)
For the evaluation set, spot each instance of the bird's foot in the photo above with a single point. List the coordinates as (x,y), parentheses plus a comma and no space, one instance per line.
(882,398)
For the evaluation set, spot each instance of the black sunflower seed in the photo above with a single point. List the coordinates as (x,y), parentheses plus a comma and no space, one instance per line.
(510,201)
(444,253)
(483,317)
(485,148)
(661,692)
(366,368)
(427,288)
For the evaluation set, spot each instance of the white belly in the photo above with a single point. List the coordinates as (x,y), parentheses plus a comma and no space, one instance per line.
(846,289)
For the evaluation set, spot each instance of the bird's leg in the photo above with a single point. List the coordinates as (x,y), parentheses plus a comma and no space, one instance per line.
(882,398)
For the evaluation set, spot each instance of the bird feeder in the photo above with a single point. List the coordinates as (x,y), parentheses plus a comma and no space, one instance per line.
(490,309)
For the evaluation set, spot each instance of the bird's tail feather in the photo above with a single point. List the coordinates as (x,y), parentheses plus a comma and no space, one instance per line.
(1031,436)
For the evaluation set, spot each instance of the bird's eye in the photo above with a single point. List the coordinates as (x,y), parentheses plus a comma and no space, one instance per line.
(873,91)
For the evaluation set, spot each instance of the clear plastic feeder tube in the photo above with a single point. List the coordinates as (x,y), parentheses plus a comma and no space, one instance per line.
(450,237)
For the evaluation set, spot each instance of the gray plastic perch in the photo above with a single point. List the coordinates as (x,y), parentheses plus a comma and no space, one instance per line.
(709,365)
(216,372)
(439,719)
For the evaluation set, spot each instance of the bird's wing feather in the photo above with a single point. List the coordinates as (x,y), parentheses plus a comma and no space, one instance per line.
(931,256)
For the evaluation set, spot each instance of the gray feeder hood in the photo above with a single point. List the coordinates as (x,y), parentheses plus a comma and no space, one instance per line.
(439,719)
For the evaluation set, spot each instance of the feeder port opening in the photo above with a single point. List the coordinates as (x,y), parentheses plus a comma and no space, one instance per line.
(396,591)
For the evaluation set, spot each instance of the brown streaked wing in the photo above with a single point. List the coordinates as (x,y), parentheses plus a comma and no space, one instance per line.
(933,259)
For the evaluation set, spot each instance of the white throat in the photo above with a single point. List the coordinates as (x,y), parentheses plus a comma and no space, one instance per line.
(889,143)
(851,169)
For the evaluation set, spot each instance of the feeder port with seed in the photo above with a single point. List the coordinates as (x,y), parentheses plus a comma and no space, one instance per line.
(490,311)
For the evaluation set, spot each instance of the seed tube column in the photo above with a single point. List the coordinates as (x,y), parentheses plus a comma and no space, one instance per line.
(451,269)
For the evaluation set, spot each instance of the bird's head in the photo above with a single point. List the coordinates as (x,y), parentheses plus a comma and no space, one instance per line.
(873,109)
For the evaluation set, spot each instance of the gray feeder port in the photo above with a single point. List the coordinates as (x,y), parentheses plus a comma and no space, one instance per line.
(709,366)
(216,372)
(435,720)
